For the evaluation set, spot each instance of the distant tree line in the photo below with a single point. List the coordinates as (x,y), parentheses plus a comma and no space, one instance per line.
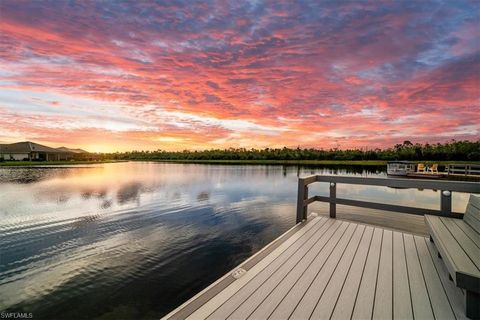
(453,150)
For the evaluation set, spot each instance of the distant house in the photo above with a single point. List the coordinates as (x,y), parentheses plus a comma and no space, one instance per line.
(74,151)
(30,151)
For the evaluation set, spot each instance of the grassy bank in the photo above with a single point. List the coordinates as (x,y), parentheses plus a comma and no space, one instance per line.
(51,163)
(377,163)
(283,162)
(306,162)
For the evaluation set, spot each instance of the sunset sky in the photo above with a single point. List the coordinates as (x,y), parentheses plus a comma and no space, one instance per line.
(123,75)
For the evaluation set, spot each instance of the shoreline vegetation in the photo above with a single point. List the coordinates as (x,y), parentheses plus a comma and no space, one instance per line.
(373,163)
(446,153)
(466,151)
(364,163)
(54,163)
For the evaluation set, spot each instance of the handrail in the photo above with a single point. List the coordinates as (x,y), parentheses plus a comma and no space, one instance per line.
(463,169)
(446,188)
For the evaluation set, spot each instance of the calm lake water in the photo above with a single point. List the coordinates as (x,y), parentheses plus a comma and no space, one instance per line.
(135,240)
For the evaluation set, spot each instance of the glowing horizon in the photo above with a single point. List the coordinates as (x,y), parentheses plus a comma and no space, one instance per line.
(118,76)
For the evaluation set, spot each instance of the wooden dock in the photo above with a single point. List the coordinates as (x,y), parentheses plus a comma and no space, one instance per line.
(328,268)
(455,172)
(444,176)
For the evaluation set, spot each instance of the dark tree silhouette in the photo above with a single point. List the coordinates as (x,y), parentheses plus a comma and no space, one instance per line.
(450,151)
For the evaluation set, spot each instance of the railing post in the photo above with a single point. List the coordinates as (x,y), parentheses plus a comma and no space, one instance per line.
(301,197)
(446,202)
(333,195)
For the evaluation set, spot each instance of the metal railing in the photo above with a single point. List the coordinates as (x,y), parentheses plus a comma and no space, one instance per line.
(446,188)
(464,169)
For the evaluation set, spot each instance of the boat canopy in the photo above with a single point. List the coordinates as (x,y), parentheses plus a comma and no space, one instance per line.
(403,162)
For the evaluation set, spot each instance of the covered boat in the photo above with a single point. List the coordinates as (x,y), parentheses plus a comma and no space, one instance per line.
(400,168)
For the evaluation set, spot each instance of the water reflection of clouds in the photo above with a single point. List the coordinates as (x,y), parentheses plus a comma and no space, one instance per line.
(129,192)
(82,265)
(83,247)
(117,185)
(203,196)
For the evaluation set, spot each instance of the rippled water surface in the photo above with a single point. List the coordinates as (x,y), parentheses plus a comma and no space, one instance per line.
(134,240)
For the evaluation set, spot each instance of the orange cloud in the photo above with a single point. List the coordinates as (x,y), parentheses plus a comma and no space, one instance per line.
(230,75)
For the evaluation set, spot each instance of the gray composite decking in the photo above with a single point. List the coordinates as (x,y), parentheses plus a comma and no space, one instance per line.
(328,268)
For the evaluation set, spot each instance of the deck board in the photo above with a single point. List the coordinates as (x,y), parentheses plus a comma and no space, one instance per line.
(383,304)
(418,289)
(245,292)
(338,269)
(468,245)
(454,294)
(209,307)
(402,301)
(268,277)
(346,301)
(438,298)
(366,294)
(314,292)
(292,267)
(288,304)
(457,256)
(326,304)
(277,295)
(469,231)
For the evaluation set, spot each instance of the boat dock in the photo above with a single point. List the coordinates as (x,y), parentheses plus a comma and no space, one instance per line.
(330,268)
(445,176)
(455,172)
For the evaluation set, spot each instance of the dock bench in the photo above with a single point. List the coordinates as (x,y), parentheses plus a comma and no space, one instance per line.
(458,243)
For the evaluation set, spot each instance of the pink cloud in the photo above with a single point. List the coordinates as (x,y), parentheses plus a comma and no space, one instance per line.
(371,76)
